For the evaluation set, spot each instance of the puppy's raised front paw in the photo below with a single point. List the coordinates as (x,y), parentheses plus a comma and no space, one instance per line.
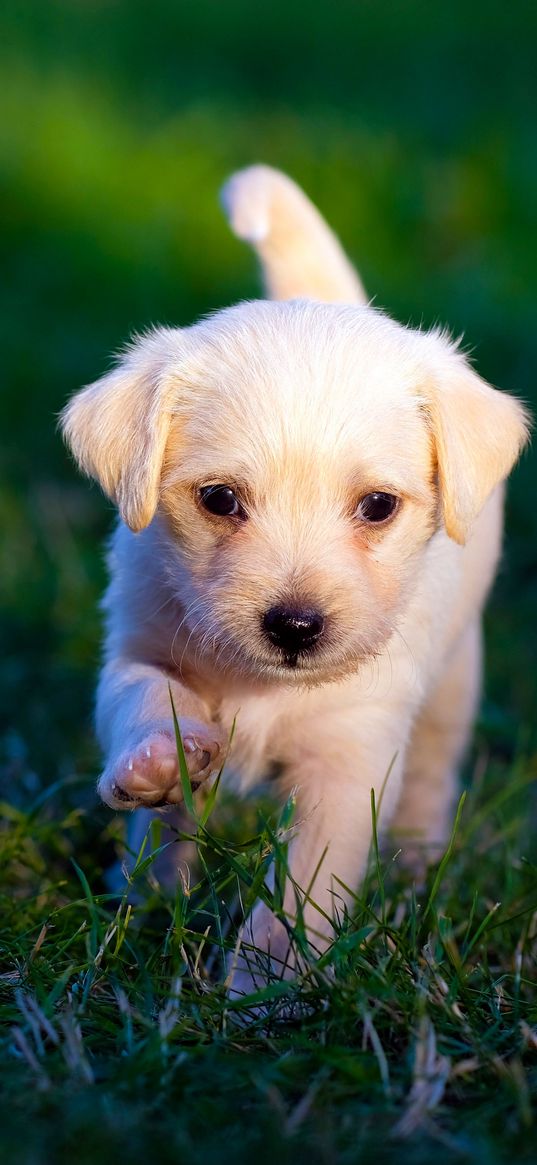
(148,773)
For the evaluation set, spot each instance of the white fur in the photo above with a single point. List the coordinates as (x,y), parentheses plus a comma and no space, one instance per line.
(303,406)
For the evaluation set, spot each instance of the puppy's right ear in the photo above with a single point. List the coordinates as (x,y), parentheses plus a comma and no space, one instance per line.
(478,434)
(117,428)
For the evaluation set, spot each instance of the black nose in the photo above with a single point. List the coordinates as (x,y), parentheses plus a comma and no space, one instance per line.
(293,629)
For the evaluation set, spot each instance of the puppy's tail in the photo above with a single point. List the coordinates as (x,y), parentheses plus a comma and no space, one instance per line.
(299,254)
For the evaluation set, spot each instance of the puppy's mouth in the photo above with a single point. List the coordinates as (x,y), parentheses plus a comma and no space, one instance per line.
(260,663)
(310,670)
(298,661)
(291,660)
(290,645)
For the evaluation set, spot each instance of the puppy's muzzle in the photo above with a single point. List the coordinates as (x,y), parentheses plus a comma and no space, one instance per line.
(295,630)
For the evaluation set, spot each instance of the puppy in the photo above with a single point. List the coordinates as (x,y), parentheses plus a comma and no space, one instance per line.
(311,507)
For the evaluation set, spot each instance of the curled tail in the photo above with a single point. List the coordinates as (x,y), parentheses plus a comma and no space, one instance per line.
(300,256)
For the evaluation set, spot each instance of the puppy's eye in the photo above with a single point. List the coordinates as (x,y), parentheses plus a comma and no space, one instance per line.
(221,500)
(377,507)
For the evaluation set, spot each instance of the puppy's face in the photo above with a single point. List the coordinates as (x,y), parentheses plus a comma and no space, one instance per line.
(301,456)
(299,490)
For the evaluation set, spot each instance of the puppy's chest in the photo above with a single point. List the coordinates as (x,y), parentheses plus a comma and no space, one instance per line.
(257,727)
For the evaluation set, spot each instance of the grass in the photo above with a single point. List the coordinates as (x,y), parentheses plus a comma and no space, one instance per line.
(420,1021)
(412,126)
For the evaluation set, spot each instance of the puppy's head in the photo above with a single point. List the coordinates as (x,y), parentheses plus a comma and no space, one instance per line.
(299,457)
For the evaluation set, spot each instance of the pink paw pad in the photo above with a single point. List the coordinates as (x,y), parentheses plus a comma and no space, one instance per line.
(149,775)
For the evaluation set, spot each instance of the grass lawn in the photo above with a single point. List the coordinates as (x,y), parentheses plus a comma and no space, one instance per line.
(415,1035)
(412,126)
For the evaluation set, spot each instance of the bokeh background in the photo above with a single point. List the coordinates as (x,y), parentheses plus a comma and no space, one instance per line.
(412,126)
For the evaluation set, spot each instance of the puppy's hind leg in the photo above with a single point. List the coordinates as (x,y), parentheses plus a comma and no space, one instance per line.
(424,815)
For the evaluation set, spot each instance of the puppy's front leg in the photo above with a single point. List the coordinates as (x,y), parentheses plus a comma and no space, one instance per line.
(135,727)
(328,854)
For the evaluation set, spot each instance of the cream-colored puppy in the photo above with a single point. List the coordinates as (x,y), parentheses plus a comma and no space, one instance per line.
(311,509)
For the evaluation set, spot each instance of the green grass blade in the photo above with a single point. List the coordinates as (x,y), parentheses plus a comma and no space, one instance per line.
(378,864)
(183,767)
(446,858)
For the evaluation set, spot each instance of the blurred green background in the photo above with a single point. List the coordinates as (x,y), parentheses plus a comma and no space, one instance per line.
(412,125)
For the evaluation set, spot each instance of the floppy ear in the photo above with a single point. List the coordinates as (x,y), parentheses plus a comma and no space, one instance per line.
(117,428)
(478,434)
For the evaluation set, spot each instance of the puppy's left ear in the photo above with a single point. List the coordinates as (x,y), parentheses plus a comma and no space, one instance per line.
(117,428)
(478,434)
